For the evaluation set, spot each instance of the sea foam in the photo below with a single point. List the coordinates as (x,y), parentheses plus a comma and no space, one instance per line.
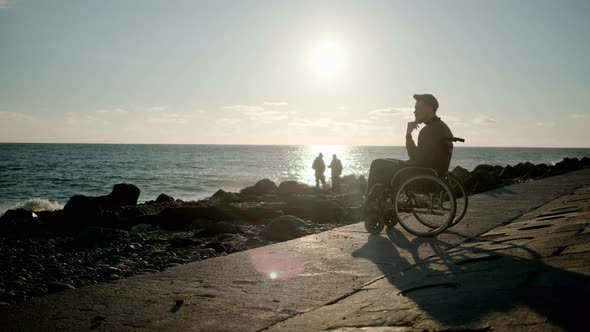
(38,205)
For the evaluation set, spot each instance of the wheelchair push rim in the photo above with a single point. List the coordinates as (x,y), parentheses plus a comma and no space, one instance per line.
(416,209)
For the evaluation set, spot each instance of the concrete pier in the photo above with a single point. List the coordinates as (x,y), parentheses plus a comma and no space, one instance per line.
(519,259)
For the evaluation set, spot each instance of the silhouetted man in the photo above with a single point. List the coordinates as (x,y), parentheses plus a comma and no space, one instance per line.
(336,167)
(319,166)
(434,148)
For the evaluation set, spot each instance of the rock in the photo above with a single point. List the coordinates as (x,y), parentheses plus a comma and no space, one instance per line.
(508,173)
(287,188)
(225,197)
(585,162)
(58,287)
(284,228)
(255,213)
(178,218)
(485,181)
(163,198)
(217,246)
(461,174)
(349,183)
(483,168)
(19,220)
(570,164)
(90,209)
(316,209)
(183,242)
(262,187)
(219,228)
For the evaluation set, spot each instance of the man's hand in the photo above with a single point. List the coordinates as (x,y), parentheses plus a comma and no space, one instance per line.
(411,126)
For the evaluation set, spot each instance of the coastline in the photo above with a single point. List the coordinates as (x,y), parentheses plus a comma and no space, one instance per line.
(85,244)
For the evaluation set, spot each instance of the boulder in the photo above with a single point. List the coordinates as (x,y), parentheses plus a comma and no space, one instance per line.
(350,183)
(483,168)
(484,181)
(89,209)
(222,196)
(255,213)
(215,229)
(291,188)
(316,209)
(569,164)
(288,188)
(585,162)
(284,228)
(262,187)
(182,217)
(19,220)
(461,174)
(163,198)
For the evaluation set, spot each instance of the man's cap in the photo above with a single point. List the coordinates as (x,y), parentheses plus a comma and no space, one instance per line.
(427,99)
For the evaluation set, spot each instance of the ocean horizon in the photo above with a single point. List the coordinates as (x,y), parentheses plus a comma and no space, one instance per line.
(46,175)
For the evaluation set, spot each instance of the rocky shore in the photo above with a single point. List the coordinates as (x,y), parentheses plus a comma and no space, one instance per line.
(105,238)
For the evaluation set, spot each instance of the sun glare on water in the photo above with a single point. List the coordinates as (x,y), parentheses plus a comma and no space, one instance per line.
(328,59)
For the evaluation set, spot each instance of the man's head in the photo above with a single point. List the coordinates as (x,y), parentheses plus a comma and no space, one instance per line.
(320,155)
(425,107)
(334,156)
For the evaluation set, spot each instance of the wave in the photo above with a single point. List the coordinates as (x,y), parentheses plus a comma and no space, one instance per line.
(36,205)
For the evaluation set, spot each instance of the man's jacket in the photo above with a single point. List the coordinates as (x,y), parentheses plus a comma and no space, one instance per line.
(434,148)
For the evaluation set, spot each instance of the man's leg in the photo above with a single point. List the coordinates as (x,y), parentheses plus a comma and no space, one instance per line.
(381,172)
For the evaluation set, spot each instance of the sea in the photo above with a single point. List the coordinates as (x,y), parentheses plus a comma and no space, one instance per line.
(44,176)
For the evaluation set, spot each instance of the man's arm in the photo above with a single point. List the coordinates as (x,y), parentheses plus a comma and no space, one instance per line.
(410,145)
(426,149)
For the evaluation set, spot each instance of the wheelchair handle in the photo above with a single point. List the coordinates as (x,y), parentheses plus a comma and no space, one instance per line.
(454,139)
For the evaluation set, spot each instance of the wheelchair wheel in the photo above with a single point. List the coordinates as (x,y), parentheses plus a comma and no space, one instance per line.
(461,197)
(425,205)
(374,224)
(386,205)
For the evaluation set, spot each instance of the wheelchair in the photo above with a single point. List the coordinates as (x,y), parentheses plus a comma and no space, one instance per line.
(422,201)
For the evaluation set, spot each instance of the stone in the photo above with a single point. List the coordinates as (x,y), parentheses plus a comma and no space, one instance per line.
(87,209)
(53,287)
(215,229)
(182,217)
(262,187)
(570,164)
(163,198)
(461,174)
(225,197)
(316,209)
(284,228)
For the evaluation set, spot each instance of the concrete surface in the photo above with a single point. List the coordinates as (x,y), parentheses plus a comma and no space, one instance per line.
(325,280)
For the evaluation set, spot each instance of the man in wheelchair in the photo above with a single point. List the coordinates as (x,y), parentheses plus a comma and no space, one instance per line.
(434,149)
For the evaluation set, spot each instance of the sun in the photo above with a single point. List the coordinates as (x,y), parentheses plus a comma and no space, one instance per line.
(328,59)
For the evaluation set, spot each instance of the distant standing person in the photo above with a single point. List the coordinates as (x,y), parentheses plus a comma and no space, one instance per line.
(336,166)
(319,166)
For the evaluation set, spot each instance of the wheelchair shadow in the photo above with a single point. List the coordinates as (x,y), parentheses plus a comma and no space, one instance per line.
(498,192)
(466,286)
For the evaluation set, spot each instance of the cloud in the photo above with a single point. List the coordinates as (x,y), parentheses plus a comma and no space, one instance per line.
(258,114)
(276,103)
(390,112)
(167,118)
(243,108)
(545,124)
(112,111)
(15,116)
(484,120)
(576,116)
(4,4)
(158,108)
(77,120)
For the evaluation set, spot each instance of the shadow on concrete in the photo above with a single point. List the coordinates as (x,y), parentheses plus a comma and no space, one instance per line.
(465,285)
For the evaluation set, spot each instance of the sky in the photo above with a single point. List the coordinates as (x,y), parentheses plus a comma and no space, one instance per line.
(506,73)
